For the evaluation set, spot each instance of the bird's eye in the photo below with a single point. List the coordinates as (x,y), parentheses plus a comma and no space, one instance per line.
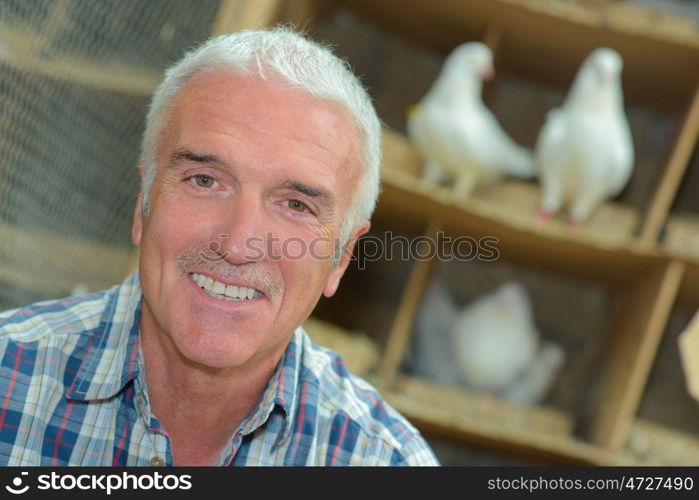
(297,206)
(204,181)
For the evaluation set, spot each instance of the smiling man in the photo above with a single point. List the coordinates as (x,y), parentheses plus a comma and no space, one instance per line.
(259,171)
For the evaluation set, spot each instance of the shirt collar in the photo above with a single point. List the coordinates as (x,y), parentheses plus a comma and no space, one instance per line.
(109,360)
(108,355)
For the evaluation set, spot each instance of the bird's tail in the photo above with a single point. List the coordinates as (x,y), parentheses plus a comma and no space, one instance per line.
(519,162)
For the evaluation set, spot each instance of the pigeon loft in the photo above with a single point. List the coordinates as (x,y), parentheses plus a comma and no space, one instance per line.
(626,278)
(633,268)
(607,309)
(398,47)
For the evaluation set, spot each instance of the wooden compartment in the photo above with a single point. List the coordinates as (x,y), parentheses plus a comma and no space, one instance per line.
(360,352)
(642,289)
(666,428)
(398,48)
(570,312)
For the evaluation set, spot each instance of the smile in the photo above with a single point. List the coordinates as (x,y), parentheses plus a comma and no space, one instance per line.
(219,290)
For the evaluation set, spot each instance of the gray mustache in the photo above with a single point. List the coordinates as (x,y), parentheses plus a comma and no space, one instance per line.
(255,274)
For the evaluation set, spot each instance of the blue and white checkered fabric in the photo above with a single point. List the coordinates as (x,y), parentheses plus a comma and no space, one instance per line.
(73,393)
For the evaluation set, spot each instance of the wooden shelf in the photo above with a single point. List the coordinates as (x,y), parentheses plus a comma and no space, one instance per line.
(451,412)
(657,445)
(682,236)
(646,282)
(514,203)
(589,252)
(359,352)
(650,44)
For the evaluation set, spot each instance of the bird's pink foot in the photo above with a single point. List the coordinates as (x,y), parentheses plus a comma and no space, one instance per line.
(542,217)
(575,224)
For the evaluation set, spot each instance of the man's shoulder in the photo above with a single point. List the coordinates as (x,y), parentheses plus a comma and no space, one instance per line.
(51,319)
(343,395)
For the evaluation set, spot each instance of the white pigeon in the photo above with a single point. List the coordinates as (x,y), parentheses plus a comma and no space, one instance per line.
(585,150)
(432,349)
(456,134)
(532,386)
(495,339)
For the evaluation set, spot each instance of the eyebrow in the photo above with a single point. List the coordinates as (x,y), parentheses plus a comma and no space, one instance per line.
(183,154)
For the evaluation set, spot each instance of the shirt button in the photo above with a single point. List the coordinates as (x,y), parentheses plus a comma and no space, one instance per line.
(139,399)
(157,461)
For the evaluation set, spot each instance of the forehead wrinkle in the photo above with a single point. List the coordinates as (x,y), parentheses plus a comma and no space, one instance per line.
(319,154)
(194,156)
(218,102)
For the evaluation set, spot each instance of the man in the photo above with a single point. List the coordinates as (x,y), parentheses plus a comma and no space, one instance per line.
(259,171)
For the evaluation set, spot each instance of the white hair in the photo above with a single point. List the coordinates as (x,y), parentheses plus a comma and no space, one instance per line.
(306,66)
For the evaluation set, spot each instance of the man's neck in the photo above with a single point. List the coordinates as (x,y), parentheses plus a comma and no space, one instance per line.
(199,406)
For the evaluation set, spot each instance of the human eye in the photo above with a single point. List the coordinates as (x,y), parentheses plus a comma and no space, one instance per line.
(203,181)
(298,206)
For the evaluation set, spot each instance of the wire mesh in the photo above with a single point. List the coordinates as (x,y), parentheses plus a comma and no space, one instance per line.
(75,79)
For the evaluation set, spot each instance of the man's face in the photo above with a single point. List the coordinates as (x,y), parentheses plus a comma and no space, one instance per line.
(253,183)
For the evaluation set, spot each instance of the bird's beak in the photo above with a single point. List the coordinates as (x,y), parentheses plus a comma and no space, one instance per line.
(487,71)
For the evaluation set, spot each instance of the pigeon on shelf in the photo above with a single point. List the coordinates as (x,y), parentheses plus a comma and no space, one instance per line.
(535,382)
(456,134)
(495,339)
(492,345)
(585,150)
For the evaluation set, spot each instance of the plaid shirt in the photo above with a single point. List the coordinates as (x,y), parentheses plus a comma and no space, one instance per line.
(73,392)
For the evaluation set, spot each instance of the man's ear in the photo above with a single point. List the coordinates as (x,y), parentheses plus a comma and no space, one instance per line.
(338,271)
(137,226)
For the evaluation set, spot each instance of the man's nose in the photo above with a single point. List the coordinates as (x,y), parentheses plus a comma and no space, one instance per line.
(242,237)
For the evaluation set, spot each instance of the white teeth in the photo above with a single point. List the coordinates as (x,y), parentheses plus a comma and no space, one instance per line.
(220,290)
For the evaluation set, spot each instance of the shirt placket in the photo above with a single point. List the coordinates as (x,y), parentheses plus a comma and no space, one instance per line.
(156,450)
